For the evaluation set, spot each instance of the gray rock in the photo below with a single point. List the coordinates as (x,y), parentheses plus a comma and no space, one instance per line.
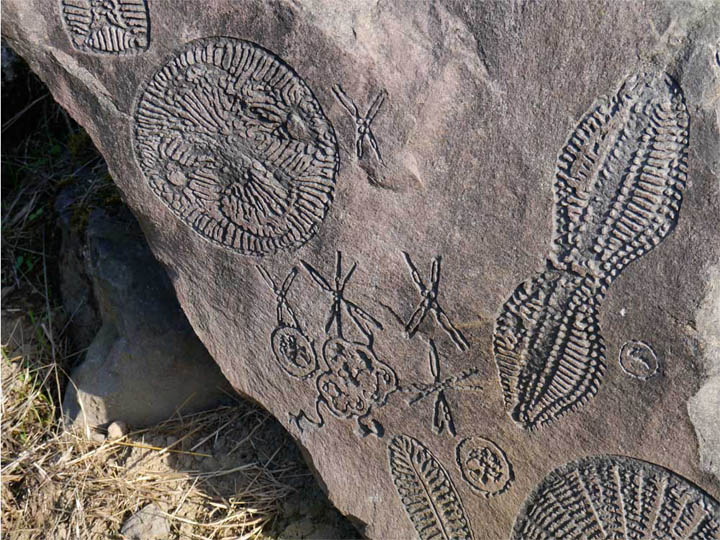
(704,406)
(76,288)
(145,364)
(117,430)
(307,529)
(149,523)
(10,61)
(453,246)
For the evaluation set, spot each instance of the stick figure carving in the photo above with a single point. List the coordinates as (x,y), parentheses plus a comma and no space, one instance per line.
(442,414)
(352,379)
(430,303)
(293,350)
(362,123)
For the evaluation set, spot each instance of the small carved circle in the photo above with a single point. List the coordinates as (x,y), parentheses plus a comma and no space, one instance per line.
(237,146)
(484,465)
(294,352)
(638,360)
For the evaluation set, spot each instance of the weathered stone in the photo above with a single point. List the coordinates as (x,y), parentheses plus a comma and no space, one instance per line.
(453,246)
(145,364)
(117,430)
(76,287)
(149,523)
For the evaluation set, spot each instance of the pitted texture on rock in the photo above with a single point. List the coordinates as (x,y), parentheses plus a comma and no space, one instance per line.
(236,145)
(617,497)
(620,177)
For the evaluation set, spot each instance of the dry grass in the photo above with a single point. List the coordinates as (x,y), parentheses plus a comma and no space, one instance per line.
(212,474)
(219,474)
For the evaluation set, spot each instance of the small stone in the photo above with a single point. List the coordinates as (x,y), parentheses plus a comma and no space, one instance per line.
(97,436)
(145,361)
(117,430)
(149,523)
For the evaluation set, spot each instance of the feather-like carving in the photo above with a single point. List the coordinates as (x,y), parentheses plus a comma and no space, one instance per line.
(107,26)
(548,348)
(616,497)
(618,189)
(619,178)
(426,491)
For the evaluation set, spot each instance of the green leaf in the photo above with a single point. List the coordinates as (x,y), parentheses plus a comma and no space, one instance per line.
(36,214)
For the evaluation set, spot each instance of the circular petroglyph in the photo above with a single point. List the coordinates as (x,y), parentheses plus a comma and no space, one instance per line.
(638,360)
(293,351)
(483,465)
(618,497)
(236,145)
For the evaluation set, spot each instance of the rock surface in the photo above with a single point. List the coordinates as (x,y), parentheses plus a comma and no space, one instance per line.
(453,246)
(145,363)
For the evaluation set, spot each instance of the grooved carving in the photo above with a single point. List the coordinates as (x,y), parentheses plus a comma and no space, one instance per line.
(638,360)
(484,466)
(617,497)
(236,145)
(618,189)
(107,26)
(426,491)
(352,380)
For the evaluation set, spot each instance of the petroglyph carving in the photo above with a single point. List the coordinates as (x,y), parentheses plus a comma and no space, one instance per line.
(293,350)
(426,491)
(353,379)
(638,360)
(362,123)
(429,303)
(548,349)
(484,466)
(107,26)
(618,190)
(236,145)
(442,414)
(617,497)
(362,319)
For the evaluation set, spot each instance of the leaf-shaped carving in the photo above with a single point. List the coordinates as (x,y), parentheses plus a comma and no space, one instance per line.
(619,179)
(617,497)
(548,348)
(426,491)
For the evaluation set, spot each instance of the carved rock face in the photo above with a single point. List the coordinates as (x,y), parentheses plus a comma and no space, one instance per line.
(235,143)
(356,379)
(607,496)
(293,351)
(452,246)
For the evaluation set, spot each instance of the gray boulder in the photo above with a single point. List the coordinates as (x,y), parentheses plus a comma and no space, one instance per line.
(145,363)
(148,523)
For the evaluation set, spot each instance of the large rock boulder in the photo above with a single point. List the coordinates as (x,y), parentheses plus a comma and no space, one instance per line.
(462,250)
